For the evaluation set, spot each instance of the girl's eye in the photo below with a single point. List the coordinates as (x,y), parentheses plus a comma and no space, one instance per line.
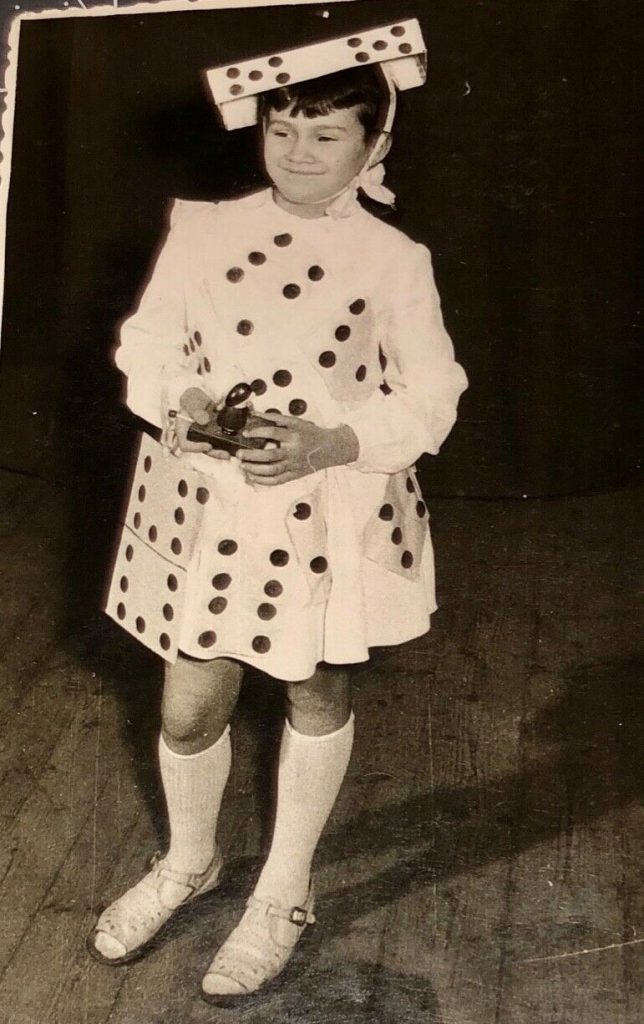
(326,138)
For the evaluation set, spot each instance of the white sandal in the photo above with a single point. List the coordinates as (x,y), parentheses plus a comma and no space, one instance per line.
(256,951)
(134,920)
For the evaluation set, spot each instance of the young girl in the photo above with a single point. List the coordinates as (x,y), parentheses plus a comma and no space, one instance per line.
(300,556)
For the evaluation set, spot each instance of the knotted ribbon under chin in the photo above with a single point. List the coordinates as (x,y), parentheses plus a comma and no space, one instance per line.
(370,181)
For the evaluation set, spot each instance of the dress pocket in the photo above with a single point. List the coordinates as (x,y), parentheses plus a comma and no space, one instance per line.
(396,533)
(160,527)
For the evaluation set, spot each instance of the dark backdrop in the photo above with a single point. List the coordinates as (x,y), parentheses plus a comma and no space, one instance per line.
(520,165)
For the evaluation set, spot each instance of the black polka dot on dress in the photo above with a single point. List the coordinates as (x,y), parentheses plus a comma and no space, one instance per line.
(279,557)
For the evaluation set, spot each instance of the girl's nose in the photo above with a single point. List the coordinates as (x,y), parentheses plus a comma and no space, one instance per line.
(300,151)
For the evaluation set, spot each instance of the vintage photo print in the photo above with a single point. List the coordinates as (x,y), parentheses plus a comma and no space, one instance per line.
(320,511)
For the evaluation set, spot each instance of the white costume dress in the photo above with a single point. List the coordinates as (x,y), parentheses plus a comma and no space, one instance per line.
(316,315)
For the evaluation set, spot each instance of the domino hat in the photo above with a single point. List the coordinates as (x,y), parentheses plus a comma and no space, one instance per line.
(399,49)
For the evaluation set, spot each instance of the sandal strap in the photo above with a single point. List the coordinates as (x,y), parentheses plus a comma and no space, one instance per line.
(301,916)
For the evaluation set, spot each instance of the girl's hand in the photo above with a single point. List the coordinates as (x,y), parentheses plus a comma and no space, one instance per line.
(195,407)
(304,448)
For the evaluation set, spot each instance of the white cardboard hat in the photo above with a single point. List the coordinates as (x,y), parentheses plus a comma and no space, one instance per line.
(399,49)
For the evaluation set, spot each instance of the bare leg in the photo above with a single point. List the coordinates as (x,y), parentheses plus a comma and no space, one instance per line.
(199,698)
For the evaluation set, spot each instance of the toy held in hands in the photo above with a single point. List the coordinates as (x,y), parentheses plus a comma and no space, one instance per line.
(224,429)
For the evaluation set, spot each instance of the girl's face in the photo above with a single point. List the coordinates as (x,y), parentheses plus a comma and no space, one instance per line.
(311,159)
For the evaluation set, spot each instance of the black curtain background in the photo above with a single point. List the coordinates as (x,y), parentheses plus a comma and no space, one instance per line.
(519,164)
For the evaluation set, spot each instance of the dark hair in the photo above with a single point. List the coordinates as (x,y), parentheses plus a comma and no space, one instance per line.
(356,87)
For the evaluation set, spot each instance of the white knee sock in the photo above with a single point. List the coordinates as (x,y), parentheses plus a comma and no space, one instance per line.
(311,770)
(194,786)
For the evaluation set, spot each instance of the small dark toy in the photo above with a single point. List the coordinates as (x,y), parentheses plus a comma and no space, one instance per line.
(224,429)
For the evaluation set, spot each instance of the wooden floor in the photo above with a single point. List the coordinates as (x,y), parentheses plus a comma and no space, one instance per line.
(483,864)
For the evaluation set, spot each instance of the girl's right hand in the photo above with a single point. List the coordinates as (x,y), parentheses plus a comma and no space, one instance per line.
(195,407)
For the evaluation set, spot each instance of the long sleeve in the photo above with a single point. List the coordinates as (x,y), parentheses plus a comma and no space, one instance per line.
(155,351)
(394,429)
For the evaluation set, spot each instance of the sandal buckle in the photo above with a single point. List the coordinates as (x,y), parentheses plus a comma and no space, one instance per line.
(298,916)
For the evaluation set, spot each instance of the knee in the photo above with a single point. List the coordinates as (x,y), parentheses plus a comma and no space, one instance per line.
(322,704)
(185,722)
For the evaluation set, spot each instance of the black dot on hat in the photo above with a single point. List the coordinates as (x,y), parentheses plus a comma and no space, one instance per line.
(380,44)
(236,90)
(129,553)
(140,624)
(384,387)
(256,258)
(124,584)
(410,485)
(182,488)
(267,611)
(192,344)
(206,364)
(361,373)
(283,240)
(279,557)
(137,520)
(173,583)
(142,493)
(383,360)
(233,72)
(283,78)
(261,644)
(282,378)
(245,327)
(275,62)
(168,612)
(179,516)
(120,611)
(297,407)
(227,547)
(273,588)
(153,533)
(361,57)
(319,564)
(258,387)
(186,350)
(396,535)
(302,510)
(291,291)
(208,638)
(218,605)
(276,411)
(327,359)
(255,76)
(355,41)
(358,307)
(407,560)
(235,274)
(147,464)
(405,48)
(200,370)
(420,509)
(202,495)
(164,641)
(316,273)
(221,581)
(398,30)
(197,337)
(387,513)
(343,333)
(176,545)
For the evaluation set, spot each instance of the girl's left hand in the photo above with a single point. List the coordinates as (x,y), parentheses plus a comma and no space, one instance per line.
(304,448)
